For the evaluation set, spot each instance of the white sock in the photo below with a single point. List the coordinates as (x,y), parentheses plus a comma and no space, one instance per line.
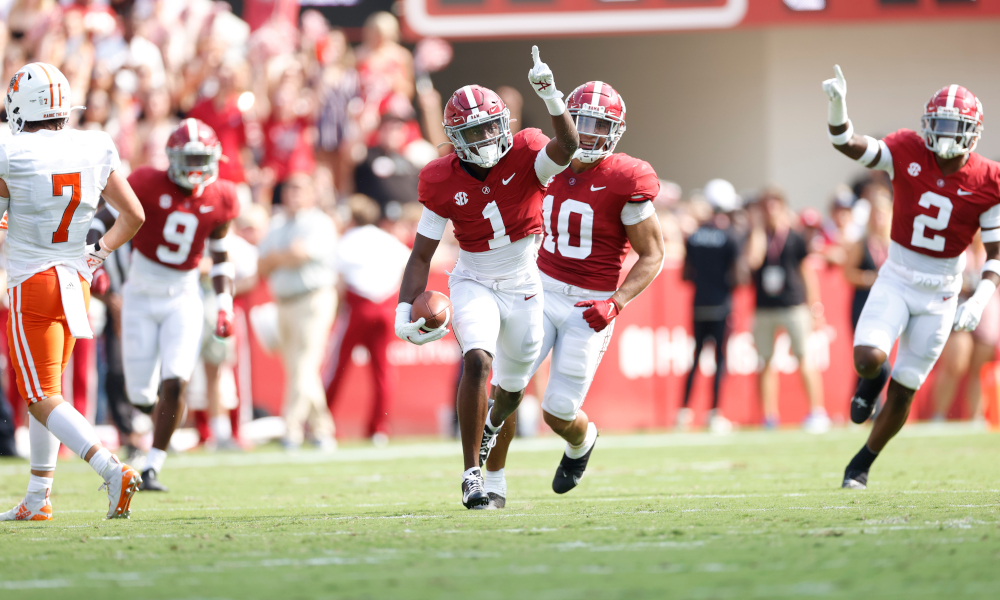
(489,422)
(72,429)
(221,428)
(44,446)
(494,481)
(588,442)
(38,487)
(155,458)
(105,463)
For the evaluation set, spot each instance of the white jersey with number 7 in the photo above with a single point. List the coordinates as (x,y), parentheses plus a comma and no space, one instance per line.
(55,179)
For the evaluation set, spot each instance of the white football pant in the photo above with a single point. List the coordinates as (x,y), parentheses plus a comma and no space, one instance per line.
(161,339)
(576,348)
(507,324)
(920,316)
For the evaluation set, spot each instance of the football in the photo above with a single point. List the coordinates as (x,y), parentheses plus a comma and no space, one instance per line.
(434,307)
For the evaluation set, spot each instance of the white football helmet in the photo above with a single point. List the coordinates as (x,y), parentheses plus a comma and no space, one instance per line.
(37,92)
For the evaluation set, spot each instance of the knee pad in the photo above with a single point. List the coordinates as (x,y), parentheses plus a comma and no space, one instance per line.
(561,405)
(141,398)
(909,377)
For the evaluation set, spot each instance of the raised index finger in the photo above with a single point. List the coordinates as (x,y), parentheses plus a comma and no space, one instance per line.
(838,72)
(534,55)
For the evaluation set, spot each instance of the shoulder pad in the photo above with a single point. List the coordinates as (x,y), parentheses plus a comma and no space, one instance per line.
(533,138)
(439,169)
(634,177)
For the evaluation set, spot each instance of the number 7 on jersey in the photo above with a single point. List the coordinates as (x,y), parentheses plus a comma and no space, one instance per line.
(60,181)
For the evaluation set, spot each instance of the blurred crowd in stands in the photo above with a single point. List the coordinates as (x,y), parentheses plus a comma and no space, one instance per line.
(311,124)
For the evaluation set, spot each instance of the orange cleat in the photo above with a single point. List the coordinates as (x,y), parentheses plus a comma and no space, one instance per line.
(29,510)
(121,487)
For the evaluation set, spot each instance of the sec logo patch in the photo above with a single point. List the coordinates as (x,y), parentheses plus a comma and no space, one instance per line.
(165,201)
(461,198)
(913,170)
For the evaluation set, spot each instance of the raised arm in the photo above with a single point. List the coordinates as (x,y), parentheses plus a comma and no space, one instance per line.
(864,149)
(563,146)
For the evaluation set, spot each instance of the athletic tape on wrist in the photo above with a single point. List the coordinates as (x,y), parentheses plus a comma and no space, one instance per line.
(555,105)
(843,138)
(870,152)
(224,301)
(218,244)
(990,235)
(223,269)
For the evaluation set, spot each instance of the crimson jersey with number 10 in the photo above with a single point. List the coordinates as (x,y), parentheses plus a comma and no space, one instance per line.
(933,214)
(585,241)
(493,213)
(177,223)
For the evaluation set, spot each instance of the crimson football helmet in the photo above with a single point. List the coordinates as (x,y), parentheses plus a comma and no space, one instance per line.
(599,112)
(194,152)
(952,122)
(477,123)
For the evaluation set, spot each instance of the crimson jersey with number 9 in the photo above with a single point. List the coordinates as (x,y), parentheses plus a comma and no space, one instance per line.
(932,214)
(493,213)
(177,223)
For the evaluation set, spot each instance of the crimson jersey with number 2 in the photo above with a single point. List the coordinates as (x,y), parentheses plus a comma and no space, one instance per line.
(585,240)
(493,213)
(177,224)
(933,214)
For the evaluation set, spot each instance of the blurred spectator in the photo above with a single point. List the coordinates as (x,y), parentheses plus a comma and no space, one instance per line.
(515,104)
(7,446)
(339,90)
(288,132)
(221,111)
(370,264)
(385,67)
(295,258)
(391,168)
(966,353)
(710,263)
(865,257)
(788,299)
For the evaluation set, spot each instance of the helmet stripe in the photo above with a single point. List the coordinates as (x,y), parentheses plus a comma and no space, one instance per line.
(952,90)
(469,97)
(192,126)
(51,91)
(595,101)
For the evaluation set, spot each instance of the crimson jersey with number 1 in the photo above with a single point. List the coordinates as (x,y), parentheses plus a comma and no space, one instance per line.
(177,223)
(493,213)
(585,241)
(933,214)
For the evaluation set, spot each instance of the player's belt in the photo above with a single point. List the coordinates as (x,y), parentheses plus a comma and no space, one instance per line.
(499,285)
(930,281)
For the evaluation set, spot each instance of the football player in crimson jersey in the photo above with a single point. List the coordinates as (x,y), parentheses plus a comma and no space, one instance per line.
(593,212)
(491,188)
(943,194)
(162,316)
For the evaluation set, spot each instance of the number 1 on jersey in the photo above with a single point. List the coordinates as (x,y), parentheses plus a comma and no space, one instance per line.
(500,237)
(59,182)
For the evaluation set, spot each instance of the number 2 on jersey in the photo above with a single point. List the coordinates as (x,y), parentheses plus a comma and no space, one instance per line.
(179,231)
(59,182)
(924,222)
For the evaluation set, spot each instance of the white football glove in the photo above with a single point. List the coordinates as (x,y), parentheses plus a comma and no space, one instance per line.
(410,332)
(542,81)
(96,254)
(836,90)
(971,311)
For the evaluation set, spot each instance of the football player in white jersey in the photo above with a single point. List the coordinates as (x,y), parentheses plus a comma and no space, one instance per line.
(51,180)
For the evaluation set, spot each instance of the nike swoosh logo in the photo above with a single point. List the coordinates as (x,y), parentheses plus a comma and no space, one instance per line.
(205,209)
(526,298)
(506,181)
(962,192)
(594,189)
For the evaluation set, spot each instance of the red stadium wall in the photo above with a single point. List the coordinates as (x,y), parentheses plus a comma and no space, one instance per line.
(640,383)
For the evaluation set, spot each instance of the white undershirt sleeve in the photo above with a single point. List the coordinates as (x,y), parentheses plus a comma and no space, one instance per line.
(884,160)
(546,168)
(634,213)
(991,218)
(431,224)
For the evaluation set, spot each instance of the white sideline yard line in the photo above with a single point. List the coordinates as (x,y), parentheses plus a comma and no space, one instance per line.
(450,448)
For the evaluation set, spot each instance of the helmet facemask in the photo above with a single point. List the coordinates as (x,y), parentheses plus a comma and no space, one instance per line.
(950,134)
(599,134)
(194,166)
(482,141)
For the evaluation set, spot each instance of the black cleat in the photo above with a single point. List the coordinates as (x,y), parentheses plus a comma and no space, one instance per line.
(570,471)
(496,500)
(473,496)
(489,440)
(150,483)
(854,479)
(861,409)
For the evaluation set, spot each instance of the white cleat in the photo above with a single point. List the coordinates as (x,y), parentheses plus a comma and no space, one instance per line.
(685,416)
(719,425)
(30,510)
(121,487)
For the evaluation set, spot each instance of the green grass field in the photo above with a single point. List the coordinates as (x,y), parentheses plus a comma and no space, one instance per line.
(752,515)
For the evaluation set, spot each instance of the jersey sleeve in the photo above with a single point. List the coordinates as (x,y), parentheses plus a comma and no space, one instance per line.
(4,163)
(431,225)
(897,148)
(428,189)
(533,138)
(647,184)
(230,202)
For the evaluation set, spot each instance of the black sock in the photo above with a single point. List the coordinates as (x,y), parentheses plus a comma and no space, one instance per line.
(863,460)
(869,389)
